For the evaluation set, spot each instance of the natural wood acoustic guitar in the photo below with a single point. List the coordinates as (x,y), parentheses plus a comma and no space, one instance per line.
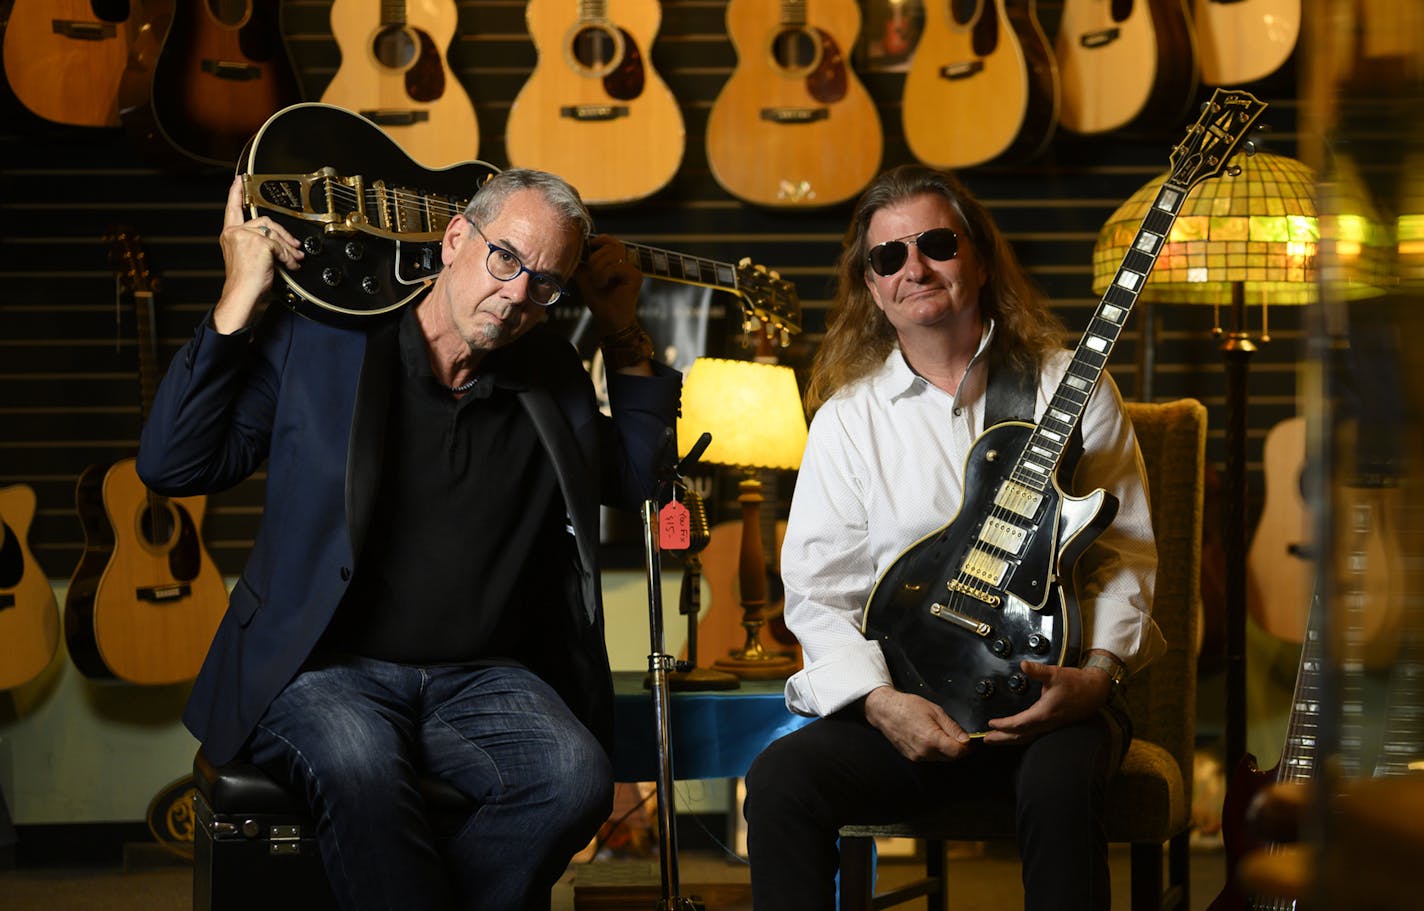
(1241,41)
(64,58)
(983,84)
(793,127)
(29,619)
(594,111)
(1120,61)
(146,598)
(394,73)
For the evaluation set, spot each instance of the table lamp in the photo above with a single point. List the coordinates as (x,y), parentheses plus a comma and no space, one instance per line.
(754,414)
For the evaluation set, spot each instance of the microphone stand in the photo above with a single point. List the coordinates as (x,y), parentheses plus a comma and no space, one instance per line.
(660,664)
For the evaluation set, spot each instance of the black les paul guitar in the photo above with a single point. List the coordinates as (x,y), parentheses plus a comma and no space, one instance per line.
(959,610)
(371,221)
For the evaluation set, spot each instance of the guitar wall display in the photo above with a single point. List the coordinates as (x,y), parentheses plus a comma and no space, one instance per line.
(1244,40)
(202,80)
(371,221)
(793,126)
(1121,61)
(594,110)
(29,618)
(394,72)
(64,58)
(983,84)
(146,598)
(961,608)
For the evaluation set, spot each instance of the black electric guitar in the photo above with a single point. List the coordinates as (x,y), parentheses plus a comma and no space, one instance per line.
(959,610)
(371,221)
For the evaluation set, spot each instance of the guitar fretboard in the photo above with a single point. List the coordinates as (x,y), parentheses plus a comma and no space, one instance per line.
(680,267)
(1209,142)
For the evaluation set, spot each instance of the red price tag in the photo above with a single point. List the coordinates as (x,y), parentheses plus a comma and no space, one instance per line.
(674,527)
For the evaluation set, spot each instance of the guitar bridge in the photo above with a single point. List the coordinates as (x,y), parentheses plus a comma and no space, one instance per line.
(977,594)
(346,205)
(963,621)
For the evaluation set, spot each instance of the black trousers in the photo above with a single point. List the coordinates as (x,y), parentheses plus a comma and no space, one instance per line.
(840,770)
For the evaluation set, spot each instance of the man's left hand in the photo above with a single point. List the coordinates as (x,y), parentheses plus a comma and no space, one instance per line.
(1070,694)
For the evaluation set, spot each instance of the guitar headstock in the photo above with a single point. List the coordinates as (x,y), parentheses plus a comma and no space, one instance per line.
(1226,120)
(768,299)
(130,262)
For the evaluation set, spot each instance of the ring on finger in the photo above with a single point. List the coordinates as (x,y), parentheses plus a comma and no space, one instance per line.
(266,231)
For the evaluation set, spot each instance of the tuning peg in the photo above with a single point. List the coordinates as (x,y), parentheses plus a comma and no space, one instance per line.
(785,337)
(1233,171)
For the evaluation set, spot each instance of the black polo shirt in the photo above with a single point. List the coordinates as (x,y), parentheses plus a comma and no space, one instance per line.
(467,511)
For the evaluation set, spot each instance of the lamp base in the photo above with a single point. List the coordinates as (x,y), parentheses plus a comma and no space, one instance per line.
(760,667)
(696,679)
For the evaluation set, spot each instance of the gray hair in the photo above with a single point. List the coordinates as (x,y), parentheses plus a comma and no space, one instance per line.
(490,198)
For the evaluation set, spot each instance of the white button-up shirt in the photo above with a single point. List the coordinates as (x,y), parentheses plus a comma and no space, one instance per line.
(884,466)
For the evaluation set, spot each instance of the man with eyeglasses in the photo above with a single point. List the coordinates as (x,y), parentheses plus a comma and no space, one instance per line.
(935,324)
(423,595)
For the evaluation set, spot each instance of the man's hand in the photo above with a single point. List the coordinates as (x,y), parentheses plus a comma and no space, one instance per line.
(251,251)
(608,284)
(918,728)
(1070,694)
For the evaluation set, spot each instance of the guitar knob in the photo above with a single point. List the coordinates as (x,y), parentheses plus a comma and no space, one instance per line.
(331,276)
(1038,644)
(311,245)
(354,251)
(370,284)
(1017,683)
(984,688)
(1001,647)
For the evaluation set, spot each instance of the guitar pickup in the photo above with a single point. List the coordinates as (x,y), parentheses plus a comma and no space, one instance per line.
(1004,535)
(985,567)
(963,621)
(1018,499)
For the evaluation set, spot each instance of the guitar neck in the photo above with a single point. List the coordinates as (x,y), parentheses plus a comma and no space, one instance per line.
(1303,727)
(685,269)
(766,298)
(147,351)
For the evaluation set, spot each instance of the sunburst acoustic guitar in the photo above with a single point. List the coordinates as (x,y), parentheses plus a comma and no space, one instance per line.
(210,73)
(594,110)
(146,598)
(394,72)
(64,58)
(793,126)
(983,84)
(1122,61)
(29,620)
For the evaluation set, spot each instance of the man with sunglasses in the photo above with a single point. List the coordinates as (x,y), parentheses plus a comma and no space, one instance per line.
(423,595)
(932,312)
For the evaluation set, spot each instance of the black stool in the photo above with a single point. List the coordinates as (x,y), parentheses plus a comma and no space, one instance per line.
(255,842)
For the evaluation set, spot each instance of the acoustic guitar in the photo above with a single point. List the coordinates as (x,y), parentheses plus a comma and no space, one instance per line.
(64,58)
(983,84)
(207,75)
(1241,41)
(394,72)
(594,111)
(793,127)
(371,222)
(1120,61)
(146,598)
(959,611)
(29,619)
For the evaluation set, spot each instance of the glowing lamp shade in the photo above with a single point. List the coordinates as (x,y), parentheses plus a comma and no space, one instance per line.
(753,412)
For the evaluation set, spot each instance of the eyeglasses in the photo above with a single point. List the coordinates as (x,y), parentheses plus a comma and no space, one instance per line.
(545,289)
(887,258)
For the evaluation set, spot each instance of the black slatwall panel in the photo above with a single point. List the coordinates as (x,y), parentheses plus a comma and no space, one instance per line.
(69,393)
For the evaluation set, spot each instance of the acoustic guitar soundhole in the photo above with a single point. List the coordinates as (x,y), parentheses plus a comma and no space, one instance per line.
(795,49)
(394,47)
(594,47)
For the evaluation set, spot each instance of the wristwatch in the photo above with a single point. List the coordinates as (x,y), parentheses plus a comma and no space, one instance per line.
(1115,669)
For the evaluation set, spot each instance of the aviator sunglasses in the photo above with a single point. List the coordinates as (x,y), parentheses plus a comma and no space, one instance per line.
(889,257)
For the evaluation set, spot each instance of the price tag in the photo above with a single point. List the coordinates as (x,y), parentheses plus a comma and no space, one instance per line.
(674,527)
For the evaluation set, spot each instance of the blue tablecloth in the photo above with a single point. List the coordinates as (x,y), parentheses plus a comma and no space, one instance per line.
(715,734)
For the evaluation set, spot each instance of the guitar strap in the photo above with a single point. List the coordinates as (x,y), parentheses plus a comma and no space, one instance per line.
(1010,396)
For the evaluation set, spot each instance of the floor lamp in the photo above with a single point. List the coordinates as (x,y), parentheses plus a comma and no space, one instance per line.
(754,414)
(1244,240)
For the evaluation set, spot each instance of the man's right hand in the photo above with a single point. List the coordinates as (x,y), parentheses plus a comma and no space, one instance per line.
(251,251)
(918,728)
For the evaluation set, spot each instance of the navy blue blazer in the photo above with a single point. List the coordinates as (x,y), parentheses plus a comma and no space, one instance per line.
(312,401)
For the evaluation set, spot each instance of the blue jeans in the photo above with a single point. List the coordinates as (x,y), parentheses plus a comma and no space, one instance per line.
(352,734)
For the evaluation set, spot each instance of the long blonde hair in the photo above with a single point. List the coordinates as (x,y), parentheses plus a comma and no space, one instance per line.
(859,336)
